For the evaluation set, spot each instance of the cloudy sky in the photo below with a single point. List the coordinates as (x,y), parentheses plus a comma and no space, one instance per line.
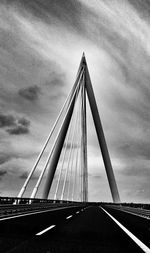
(41,44)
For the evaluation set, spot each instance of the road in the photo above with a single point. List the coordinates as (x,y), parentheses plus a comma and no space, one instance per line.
(88,229)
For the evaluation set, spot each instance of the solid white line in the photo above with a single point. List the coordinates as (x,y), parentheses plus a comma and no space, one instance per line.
(69,217)
(132,236)
(45,230)
(27,214)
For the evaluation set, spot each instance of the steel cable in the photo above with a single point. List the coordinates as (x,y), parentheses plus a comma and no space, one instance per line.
(55,141)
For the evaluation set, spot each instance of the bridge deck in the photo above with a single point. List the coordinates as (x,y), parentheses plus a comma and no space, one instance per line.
(77,228)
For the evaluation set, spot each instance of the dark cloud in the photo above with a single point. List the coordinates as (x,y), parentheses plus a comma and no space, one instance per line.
(2,173)
(24,122)
(31,93)
(7,120)
(14,125)
(56,79)
(18,130)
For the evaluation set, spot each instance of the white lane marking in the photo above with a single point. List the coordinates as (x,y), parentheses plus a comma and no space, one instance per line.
(69,217)
(45,230)
(27,214)
(78,212)
(132,236)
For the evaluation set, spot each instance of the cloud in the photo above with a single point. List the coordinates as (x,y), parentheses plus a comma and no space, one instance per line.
(24,122)
(18,130)
(14,125)
(56,79)
(7,120)
(2,173)
(30,93)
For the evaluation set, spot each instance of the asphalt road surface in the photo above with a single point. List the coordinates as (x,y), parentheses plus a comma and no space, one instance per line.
(75,229)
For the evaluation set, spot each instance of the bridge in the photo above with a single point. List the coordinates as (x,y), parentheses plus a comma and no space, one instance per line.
(69,222)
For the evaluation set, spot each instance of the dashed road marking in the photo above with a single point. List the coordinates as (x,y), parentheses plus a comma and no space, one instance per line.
(69,217)
(45,230)
(32,213)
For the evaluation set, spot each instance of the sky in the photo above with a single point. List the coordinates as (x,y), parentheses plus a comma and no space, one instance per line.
(41,45)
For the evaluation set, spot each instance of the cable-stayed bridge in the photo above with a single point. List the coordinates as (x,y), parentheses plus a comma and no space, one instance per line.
(69,222)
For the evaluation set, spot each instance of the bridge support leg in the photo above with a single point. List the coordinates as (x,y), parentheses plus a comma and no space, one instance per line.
(57,151)
(101,137)
(84,145)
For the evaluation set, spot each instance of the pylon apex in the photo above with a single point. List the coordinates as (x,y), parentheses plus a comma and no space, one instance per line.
(83,59)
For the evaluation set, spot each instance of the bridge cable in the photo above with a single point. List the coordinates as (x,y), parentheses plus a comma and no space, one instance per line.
(77,156)
(73,151)
(79,162)
(84,143)
(78,131)
(54,144)
(66,172)
(67,169)
(65,152)
(81,149)
(80,71)
(63,160)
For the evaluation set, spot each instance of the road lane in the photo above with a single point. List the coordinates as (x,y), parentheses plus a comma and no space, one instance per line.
(131,235)
(15,210)
(32,223)
(91,230)
(20,229)
(136,224)
(28,213)
(145,213)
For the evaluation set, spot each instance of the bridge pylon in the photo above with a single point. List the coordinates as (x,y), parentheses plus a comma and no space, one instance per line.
(81,90)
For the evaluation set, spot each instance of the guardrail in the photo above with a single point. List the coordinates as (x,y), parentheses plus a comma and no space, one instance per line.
(12,200)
